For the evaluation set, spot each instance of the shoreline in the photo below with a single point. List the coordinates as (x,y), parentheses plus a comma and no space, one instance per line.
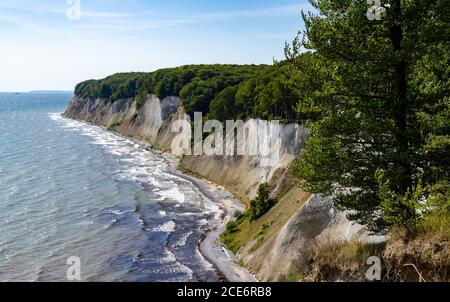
(223,259)
(209,247)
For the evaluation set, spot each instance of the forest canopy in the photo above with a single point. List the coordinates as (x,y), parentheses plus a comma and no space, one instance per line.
(219,91)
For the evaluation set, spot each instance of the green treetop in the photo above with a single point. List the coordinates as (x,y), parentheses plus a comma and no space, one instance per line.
(384,100)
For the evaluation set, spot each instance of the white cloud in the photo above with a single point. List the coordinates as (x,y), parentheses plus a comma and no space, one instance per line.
(24,24)
(138,21)
(279,11)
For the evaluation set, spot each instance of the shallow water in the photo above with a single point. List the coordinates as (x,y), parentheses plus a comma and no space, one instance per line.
(73,189)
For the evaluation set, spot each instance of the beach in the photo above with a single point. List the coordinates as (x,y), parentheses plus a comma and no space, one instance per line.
(222,259)
(210,247)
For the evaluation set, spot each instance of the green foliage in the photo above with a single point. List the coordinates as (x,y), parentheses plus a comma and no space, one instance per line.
(121,85)
(141,97)
(238,215)
(125,90)
(262,204)
(105,91)
(309,80)
(404,211)
(263,230)
(197,85)
(437,217)
(272,93)
(381,103)
(87,89)
(218,91)
(223,107)
(424,210)
(232,226)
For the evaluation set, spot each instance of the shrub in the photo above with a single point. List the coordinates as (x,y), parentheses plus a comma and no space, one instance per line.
(422,211)
(232,226)
(404,211)
(437,218)
(262,204)
(238,215)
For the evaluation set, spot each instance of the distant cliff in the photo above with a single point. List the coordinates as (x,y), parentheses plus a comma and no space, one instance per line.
(150,122)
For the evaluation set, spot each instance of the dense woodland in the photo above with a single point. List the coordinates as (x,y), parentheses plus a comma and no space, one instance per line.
(219,91)
(375,94)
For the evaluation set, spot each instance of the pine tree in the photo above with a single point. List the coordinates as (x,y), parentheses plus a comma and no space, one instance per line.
(385,105)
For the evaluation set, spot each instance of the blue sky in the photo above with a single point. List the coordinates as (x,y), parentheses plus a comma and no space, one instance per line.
(42,49)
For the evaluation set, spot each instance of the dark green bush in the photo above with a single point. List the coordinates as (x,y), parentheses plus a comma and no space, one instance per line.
(262,204)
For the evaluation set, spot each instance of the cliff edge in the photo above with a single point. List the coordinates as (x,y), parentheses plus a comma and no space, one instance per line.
(297,223)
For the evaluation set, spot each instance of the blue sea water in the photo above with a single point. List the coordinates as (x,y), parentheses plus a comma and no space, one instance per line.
(73,189)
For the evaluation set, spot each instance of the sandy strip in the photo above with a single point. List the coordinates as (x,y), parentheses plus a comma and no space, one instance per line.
(223,259)
(211,249)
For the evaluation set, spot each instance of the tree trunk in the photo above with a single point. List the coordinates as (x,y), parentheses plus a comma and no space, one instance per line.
(400,103)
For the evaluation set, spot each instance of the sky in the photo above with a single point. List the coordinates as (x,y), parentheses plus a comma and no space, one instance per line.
(51,45)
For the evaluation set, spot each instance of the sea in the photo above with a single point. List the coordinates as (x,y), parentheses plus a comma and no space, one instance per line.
(79,203)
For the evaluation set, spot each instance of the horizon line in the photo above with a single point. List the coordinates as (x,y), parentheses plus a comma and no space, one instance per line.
(41,91)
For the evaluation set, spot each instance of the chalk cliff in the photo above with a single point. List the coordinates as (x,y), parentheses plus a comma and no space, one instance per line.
(297,223)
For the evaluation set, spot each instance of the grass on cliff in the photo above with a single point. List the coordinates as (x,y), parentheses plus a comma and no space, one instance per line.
(242,231)
(258,208)
(433,214)
(405,257)
(252,235)
(335,261)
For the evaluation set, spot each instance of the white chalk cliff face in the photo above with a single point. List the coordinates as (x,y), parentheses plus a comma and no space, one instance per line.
(124,117)
(316,222)
(152,123)
(242,174)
